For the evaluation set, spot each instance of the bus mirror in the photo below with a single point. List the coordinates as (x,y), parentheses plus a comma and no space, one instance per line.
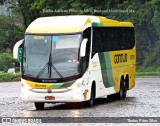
(16,49)
(20,50)
(83,47)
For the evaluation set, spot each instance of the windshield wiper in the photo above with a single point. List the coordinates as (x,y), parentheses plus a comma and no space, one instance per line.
(43,69)
(50,65)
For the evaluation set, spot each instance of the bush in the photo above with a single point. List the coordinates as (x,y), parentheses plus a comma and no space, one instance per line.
(6,61)
(7,77)
(149,69)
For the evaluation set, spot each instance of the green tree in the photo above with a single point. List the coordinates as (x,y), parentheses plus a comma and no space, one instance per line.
(10,33)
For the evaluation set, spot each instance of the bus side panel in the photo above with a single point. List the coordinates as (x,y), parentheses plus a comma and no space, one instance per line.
(101,75)
(107,68)
(123,65)
(132,76)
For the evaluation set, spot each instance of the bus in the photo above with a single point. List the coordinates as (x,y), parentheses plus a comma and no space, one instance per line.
(76,59)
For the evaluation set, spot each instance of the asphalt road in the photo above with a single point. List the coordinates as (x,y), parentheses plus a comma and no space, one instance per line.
(142,101)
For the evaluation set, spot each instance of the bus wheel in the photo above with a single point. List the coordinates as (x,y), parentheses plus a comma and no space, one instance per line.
(90,103)
(39,105)
(123,91)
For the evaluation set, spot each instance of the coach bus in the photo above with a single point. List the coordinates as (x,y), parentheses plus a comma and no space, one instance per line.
(77,59)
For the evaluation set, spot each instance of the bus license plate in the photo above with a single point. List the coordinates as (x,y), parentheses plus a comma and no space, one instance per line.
(49,98)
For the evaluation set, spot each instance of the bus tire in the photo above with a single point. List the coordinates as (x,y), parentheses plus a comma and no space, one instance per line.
(123,90)
(90,103)
(39,105)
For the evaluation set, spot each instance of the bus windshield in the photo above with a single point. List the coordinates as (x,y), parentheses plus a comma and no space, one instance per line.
(51,57)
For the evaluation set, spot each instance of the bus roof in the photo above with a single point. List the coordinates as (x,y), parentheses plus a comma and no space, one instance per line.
(70,24)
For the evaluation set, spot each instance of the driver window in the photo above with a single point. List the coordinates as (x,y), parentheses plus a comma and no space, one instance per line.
(85,60)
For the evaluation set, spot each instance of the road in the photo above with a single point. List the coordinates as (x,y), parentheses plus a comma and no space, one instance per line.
(142,101)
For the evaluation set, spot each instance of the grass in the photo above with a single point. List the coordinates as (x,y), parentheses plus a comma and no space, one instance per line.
(9,77)
(141,74)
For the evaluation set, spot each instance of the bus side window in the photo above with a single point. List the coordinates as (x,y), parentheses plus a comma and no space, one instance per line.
(96,45)
(112,38)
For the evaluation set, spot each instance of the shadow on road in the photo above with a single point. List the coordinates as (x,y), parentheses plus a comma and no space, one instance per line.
(98,102)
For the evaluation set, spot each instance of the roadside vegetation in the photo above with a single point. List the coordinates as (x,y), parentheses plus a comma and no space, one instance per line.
(147,74)
(9,77)
(145,15)
(148,71)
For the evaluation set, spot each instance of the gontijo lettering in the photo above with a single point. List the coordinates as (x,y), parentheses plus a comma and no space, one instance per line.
(120,58)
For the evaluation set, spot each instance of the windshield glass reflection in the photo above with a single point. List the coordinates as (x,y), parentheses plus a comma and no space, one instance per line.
(51,56)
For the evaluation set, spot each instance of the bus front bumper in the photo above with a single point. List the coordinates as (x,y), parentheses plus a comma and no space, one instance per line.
(58,95)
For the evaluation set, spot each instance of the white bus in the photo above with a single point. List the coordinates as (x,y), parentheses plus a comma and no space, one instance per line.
(77,59)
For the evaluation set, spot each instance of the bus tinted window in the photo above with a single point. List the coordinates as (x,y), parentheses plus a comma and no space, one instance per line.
(113,38)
